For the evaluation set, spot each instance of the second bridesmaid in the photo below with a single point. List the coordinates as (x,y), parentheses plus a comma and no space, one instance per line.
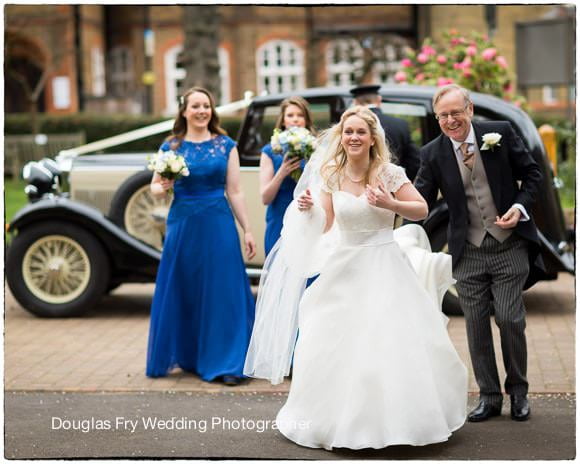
(276,185)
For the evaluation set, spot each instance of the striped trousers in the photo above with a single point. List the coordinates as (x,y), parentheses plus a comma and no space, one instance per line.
(493,275)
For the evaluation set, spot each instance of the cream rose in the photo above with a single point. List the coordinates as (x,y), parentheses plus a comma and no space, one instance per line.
(490,140)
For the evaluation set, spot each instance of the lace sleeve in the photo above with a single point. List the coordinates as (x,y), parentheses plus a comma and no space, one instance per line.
(393,177)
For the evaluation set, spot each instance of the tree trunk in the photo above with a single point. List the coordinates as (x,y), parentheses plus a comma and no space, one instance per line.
(313,57)
(33,111)
(200,47)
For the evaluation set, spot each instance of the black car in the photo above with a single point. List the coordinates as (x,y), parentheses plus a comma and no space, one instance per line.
(69,248)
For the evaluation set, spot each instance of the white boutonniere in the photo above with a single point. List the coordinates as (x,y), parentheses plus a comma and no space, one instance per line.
(490,141)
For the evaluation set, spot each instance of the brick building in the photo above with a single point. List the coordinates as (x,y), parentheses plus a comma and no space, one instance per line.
(111,58)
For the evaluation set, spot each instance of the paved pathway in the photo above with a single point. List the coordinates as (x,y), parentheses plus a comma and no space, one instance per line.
(58,425)
(105,349)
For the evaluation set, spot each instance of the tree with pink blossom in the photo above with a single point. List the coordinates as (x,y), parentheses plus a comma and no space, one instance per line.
(470,61)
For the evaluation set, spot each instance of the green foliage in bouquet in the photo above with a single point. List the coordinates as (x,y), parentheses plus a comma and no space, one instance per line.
(294,142)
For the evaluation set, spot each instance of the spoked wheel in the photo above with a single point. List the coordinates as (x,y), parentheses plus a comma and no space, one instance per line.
(137,211)
(57,269)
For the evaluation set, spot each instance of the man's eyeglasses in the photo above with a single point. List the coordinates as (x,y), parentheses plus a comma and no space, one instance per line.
(453,114)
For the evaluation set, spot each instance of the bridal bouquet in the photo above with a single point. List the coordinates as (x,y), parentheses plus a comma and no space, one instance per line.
(296,141)
(168,164)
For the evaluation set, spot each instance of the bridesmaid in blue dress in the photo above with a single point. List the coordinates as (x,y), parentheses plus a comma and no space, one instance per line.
(276,186)
(202,311)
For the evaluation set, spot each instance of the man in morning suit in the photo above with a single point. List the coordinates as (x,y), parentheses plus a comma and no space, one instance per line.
(396,130)
(492,238)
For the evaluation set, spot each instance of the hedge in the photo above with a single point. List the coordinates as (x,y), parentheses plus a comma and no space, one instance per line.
(99,126)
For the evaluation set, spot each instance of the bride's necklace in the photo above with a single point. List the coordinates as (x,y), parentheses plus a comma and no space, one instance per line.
(351,179)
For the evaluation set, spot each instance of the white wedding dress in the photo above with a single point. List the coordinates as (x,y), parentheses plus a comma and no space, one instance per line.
(373,365)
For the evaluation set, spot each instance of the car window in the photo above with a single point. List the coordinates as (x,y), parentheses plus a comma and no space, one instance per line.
(414,114)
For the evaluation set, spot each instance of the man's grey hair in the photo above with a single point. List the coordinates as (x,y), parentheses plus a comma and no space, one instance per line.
(450,88)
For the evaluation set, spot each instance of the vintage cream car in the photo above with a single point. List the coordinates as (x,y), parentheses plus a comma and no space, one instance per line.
(69,248)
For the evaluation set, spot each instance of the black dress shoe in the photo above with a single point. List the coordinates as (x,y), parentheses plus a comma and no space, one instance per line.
(231,380)
(484,411)
(520,409)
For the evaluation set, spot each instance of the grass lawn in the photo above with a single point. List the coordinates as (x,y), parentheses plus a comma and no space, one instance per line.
(14,197)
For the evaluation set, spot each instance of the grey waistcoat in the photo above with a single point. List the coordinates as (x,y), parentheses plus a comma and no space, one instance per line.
(480,206)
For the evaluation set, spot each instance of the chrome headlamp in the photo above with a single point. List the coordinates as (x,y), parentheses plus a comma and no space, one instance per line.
(42,178)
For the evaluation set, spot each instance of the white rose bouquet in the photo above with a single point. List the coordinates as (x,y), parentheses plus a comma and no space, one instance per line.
(490,140)
(295,141)
(168,164)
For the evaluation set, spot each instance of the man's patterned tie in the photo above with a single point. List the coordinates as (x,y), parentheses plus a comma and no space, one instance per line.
(467,157)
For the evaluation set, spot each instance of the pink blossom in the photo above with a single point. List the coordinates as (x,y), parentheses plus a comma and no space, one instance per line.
(471,50)
(428,50)
(444,81)
(466,63)
(420,77)
(455,41)
(508,87)
(489,54)
(400,76)
(406,62)
(441,59)
(518,103)
(422,58)
(501,61)
(467,73)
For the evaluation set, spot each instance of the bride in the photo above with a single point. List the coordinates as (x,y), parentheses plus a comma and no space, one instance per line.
(373,365)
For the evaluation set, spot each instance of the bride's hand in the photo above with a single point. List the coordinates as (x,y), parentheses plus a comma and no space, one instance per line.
(305,201)
(381,197)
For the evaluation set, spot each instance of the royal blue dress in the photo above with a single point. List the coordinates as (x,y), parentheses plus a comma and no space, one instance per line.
(276,209)
(203,311)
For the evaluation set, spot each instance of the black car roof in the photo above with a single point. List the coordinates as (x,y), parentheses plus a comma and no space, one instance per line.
(416,92)
(423,92)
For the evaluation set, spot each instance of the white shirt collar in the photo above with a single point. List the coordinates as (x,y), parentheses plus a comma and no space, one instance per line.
(470,139)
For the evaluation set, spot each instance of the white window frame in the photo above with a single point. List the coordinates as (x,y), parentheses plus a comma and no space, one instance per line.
(390,67)
(173,75)
(285,75)
(224,61)
(98,82)
(340,72)
(121,70)
(549,95)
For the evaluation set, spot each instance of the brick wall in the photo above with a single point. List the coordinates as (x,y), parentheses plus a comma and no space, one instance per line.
(243,29)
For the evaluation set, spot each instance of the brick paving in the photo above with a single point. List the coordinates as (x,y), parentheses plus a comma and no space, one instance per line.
(105,349)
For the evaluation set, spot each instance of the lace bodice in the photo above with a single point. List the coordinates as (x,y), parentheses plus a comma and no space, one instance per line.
(207,163)
(353,213)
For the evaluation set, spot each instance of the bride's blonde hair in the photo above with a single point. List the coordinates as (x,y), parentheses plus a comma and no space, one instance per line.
(334,165)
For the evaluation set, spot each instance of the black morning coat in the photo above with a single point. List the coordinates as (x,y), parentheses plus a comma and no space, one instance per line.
(507,163)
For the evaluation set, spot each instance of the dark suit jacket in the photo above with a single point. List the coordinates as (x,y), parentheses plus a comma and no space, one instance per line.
(399,140)
(504,165)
